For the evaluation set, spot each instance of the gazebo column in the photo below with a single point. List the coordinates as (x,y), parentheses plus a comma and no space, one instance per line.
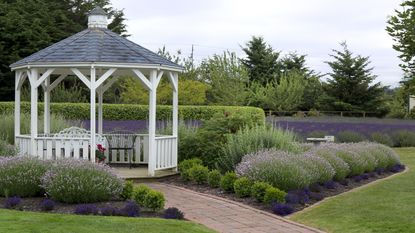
(100,117)
(152,124)
(33,77)
(93,114)
(175,124)
(19,78)
(46,106)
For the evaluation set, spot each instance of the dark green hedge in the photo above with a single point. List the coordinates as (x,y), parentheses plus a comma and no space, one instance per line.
(80,111)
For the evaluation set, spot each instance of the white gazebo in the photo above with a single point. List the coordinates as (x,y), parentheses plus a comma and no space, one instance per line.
(98,57)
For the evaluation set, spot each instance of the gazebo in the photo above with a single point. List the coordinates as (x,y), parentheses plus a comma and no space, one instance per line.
(98,57)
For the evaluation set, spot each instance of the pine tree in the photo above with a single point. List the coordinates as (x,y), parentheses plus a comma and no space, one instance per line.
(350,86)
(261,61)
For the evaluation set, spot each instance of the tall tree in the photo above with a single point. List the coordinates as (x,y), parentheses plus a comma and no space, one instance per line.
(27,26)
(261,61)
(350,84)
(401,27)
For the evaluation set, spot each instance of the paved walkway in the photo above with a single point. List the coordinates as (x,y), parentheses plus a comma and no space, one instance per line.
(224,215)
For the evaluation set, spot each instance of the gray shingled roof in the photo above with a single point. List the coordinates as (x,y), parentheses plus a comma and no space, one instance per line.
(96,45)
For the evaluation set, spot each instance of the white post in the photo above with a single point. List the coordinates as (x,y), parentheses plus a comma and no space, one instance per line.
(152,124)
(100,118)
(33,76)
(175,106)
(175,118)
(93,115)
(17,107)
(46,107)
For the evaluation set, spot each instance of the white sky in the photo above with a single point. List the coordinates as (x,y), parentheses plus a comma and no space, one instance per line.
(312,27)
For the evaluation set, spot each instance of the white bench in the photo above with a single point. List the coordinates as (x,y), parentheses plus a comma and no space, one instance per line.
(319,140)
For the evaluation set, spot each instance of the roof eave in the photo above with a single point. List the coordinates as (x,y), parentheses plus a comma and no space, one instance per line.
(95,64)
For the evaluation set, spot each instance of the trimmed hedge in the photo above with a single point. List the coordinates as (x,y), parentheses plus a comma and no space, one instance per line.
(80,111)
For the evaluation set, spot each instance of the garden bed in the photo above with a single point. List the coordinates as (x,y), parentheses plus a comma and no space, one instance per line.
(34,204)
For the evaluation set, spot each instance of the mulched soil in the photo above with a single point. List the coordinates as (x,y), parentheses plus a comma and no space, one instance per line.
(340,188)
(33,204)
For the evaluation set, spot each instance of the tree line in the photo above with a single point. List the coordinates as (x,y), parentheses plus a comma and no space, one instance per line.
(263,78)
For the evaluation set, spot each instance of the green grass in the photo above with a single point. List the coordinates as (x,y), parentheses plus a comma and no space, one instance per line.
(12,221)
(386,206)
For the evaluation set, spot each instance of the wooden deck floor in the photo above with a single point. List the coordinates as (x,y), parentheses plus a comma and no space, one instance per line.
(141,173)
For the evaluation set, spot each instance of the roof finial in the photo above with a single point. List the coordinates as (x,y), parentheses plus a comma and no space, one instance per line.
(97,18)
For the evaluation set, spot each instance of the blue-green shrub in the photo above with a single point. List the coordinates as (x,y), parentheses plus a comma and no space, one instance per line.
(80,181)
(349,136)
(21,176)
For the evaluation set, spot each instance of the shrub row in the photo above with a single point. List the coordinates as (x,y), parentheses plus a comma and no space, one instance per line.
(398,138)
(243,187)
(320,164)
(70,181)
(81,111)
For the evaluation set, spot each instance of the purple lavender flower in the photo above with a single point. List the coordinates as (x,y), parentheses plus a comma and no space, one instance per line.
(86,209)
(365,176)
(357,178)
(397,168)
(47,205)
(12,202)
(173,213)
(131,209)
(282,209)
(330,185)
(316,196)
(109,211)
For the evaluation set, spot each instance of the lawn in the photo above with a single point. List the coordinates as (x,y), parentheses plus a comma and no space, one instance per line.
(17,221)
(386,206)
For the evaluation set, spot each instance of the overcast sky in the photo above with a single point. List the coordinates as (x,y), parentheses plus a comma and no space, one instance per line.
(312,27)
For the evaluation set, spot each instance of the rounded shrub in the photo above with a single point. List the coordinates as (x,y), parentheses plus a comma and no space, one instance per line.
(258,190)
(198,174)
(185,165)
(21,176)
(404,138)
(79,181)
(382,138)
(273,194)
(385,156)
(341,168)
(318,169)
(242,187)
(127,190)
(227,181)
(350,136)
(139,193)
(365,152)
(356,163)
(213,178)
(154,200)
(173,213)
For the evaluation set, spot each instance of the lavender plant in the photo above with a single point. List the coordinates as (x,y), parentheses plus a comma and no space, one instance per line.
(78,181)
(86,209)
(21,176)
(341,168)
(173,213)
(12,202)
(47,205)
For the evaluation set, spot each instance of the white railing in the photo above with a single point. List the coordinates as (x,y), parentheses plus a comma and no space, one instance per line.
(52,147)
(166,152)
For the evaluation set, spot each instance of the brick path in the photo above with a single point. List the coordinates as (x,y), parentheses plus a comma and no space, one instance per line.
(225,215)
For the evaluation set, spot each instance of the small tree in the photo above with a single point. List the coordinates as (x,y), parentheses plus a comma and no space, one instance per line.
(261,61)
(227,78)
(350,84)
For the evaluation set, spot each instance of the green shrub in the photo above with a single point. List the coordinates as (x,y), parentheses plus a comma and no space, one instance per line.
(227,181)
(212,135)
(382,138)
(404,138)
(318,169)
(139,194)
(273,194)
(365,151)
(185,165)
(199,174)
(242,187)
(7,150)
(21,176)
(154,200)
(356,163)
(258,190)
(350,136)
(80,181)
(249,140)
(127,191)
(81,111)
(213,179)
(385,156)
